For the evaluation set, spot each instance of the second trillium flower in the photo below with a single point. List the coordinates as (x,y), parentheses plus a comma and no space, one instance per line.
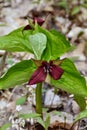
(44,68)
(38,20)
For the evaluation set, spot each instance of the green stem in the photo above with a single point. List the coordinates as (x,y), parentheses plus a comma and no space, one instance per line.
(39,98)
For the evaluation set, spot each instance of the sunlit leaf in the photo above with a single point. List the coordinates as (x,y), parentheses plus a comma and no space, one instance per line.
(21,100)
(56,44)
(17,74)
(71,80)
(38,44)
(81,102)
(29,115)
(75,10)
(16,41)
(81,115)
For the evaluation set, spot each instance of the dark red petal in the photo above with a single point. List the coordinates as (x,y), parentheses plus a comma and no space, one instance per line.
(39,21)
(38,76)
(56,72)
(27,27)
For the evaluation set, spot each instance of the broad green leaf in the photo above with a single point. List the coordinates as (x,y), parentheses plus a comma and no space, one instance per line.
(56,44)
(75,10)
(29,115)
(81,115)
(38,44)
(21,100)
(81,101)
(5,126)
(17,74)
(16,41)
(71,80)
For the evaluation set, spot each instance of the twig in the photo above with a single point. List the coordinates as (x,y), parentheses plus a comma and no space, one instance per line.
(2,64)
(78,125)
(12,93)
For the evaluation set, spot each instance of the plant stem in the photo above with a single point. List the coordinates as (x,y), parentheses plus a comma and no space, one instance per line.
(39,98)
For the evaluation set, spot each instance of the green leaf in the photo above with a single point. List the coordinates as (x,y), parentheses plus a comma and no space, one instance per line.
(75,10)
(71,80)
(38,44)
(17,74)
(81,102)
(84,5)
(29,115)
(55,112)
(5,126)
(21,100)
(47,121)
(81,115)
(40,121)
(2,24)
(64,4)
(56,44)
(16,41)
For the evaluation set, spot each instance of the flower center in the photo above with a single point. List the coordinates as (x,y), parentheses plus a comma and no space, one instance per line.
(47,67)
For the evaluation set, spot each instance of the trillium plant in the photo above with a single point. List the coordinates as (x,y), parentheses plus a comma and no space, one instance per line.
(47,64)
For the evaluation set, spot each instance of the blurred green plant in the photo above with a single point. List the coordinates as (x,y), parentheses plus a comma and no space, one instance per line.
(75,9)
(5,126)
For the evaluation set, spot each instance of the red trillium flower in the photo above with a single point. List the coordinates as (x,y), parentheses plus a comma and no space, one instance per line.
(46,68)
(38,20)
